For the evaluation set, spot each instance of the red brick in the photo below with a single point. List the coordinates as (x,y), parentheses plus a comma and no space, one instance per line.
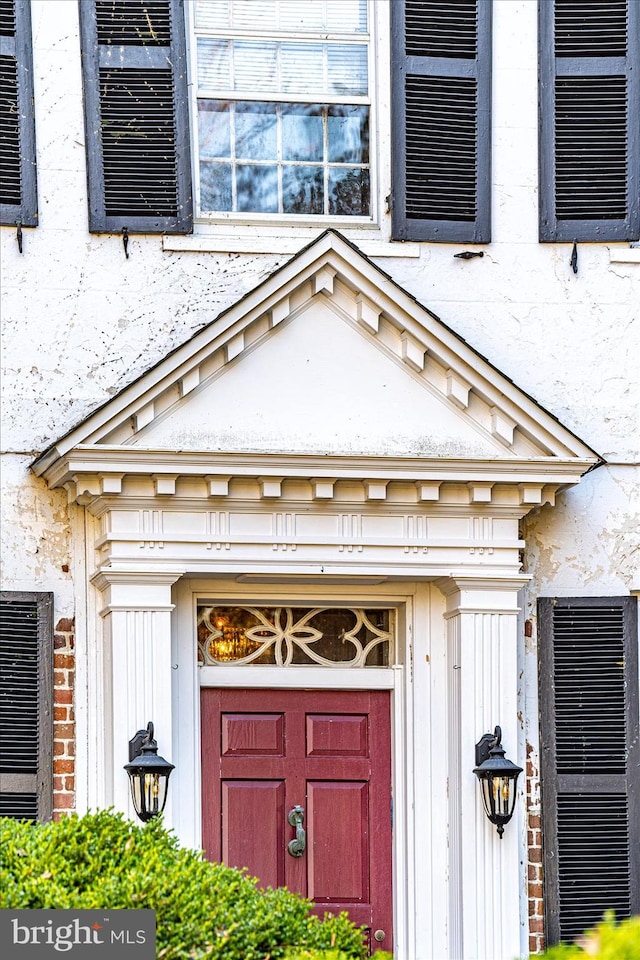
(535,855)
(534,871)
(536,925)
(61,713)
(534,821)
(58,784)
(64,801)
(58,750)
(63,766)
(62,660)
(60,640)
(63,696)
(536,944)
(64,731)
(535,890)
(70,783)
(65,625)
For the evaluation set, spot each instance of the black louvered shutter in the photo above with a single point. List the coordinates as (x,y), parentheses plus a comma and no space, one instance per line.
(136,115)
(18,189)
(441,120)
(589,120)
(590,761)
(26,715)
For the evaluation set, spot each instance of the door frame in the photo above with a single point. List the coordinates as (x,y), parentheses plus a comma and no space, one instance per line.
(418,621)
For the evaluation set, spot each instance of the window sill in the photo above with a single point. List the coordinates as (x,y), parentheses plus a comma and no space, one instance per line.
(624,254)
(201,243)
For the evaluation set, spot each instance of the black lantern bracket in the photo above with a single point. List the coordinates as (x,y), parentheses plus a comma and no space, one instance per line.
(483,746)
(138,739)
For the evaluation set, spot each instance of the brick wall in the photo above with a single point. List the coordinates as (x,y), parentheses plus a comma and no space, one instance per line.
(63,719)
(534,866)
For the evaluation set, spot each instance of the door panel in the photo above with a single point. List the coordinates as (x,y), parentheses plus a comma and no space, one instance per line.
(338,847)
(335,736)
(247,734)
(267,751)
(245,802)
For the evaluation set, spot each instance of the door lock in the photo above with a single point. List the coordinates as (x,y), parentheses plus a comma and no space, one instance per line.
(379,935)
(296,819)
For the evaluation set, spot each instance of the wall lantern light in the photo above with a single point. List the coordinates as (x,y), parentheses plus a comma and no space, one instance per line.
(148,774)
(498,777)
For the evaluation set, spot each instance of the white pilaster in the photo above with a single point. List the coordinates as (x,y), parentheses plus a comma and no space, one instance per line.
(485,875)
(136,614)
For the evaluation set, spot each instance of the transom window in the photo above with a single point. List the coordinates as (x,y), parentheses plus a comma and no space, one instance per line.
(285,636)
(283,107)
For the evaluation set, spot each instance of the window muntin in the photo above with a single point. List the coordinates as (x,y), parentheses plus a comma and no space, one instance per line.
(298,636)
(283,108)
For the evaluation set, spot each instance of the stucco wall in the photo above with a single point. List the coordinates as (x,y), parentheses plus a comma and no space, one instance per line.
(80,320)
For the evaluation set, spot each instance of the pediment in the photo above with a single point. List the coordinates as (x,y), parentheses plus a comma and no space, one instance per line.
(327,357)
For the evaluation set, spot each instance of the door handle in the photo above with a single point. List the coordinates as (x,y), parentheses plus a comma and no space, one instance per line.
(296,819)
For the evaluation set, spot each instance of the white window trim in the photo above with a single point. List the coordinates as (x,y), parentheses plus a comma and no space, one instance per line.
(630,254)
(293,677)
(240,233)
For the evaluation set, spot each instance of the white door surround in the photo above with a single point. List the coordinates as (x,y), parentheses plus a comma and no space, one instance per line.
(327,438)
(455,676)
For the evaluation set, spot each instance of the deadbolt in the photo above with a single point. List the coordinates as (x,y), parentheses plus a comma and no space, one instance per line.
(379,935)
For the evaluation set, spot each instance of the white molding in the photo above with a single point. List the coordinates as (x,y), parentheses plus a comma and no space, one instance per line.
(296,677)
(624,254)
(204,241)
(483,638)
(330,256)
(82,465)
(137,680)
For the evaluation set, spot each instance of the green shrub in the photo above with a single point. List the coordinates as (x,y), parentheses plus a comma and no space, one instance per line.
(304,954)
(608,941)
(202,909)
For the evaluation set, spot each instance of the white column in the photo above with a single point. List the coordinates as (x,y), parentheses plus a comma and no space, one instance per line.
(486,872)
(136,616)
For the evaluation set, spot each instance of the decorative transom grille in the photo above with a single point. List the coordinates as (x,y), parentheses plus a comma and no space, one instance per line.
(285,636)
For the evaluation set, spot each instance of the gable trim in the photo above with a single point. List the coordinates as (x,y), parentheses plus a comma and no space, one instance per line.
(419,331)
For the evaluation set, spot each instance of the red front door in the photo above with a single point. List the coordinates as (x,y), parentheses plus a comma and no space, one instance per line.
(266,752)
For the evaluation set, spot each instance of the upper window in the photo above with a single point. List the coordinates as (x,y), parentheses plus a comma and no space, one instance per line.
(590,122)
(283,107)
